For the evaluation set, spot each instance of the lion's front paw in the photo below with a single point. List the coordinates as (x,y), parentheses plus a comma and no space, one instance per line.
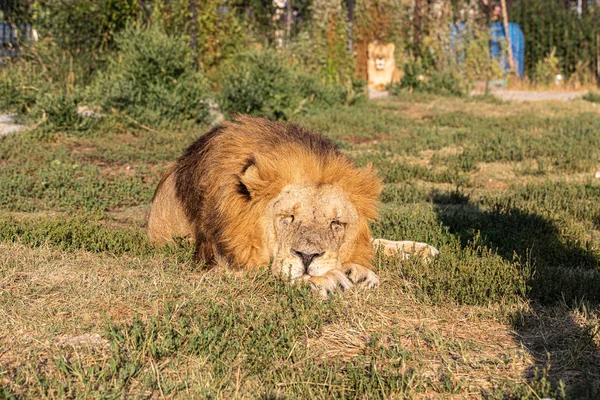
(407,249)
(362,276)
(328,283)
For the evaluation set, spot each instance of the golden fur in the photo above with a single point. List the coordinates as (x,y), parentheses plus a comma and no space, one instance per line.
(253,192)
(381,67)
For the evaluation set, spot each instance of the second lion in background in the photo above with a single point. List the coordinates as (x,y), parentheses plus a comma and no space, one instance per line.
(381,68)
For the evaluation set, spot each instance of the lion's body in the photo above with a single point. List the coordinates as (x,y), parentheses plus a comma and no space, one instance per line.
(381,67)
(255,192)
(201,197)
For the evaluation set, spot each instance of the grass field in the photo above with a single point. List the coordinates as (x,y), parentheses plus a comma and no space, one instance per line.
(505,191)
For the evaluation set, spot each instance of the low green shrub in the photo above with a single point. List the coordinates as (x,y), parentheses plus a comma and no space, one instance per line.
(86,232)
(152,79)
(57,111)
(81,26)
(417,78)
(262,83)
(547,69)
(38,70)
(17,93)
(594,97)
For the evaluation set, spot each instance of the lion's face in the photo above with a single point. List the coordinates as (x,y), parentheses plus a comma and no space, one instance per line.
(310,229)
(381,55)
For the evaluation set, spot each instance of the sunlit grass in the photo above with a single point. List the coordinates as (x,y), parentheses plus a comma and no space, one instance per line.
(506,192)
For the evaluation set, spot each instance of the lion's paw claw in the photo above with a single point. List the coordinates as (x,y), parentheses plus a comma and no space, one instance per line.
(330,282)
(361,276)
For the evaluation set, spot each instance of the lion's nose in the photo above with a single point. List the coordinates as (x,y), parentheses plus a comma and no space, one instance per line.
(306,258)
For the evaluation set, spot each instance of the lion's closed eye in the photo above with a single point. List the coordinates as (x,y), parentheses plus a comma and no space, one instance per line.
(286,220)
(338,226)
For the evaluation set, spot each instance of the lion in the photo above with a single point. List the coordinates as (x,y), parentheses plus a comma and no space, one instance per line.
(255,192)
(381,68)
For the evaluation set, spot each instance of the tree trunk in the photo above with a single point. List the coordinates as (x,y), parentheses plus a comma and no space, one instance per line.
(350,15)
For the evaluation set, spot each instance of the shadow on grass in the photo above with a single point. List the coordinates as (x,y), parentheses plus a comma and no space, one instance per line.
(564,282)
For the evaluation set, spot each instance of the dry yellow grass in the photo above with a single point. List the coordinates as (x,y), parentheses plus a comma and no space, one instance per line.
(54,302)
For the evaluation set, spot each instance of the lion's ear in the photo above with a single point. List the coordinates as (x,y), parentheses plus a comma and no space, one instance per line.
(250,181)
(391,47)
(370,49)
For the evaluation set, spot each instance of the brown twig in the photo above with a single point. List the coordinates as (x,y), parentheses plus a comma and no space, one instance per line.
(147,128)
(40,121)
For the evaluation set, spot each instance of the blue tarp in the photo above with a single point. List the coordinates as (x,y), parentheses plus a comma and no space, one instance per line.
(496,45)
(517,44)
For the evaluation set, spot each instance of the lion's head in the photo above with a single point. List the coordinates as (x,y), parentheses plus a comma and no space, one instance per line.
(381,55)
(313,215)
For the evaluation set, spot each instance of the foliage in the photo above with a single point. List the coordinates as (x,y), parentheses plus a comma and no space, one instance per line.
(41,86)
(594,97)
(263,83)
(478,63)
(323,44)
(84,30)
(418,78)
(549,25)
(220,29)
(582,76)
(19,87)
(453,62)
(547,69)
(151,78)
(84,26)
(383,20)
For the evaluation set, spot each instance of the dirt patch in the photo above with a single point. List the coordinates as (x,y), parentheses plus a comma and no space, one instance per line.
(126,217)
(521,95)
(83,149)
(85,340)
(444,152)
(358,140)
(8,124)
(116,170)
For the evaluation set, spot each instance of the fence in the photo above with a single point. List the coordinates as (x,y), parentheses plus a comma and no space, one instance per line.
(570,29)
(13,25)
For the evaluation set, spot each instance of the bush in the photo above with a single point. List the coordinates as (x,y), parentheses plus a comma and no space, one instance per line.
(40,87)
(58,111)
(152,79)
(261,83)
(41,68)
(84,26)
(417,78)
(550,26)
(547,69)
(593,97)
(18,89)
